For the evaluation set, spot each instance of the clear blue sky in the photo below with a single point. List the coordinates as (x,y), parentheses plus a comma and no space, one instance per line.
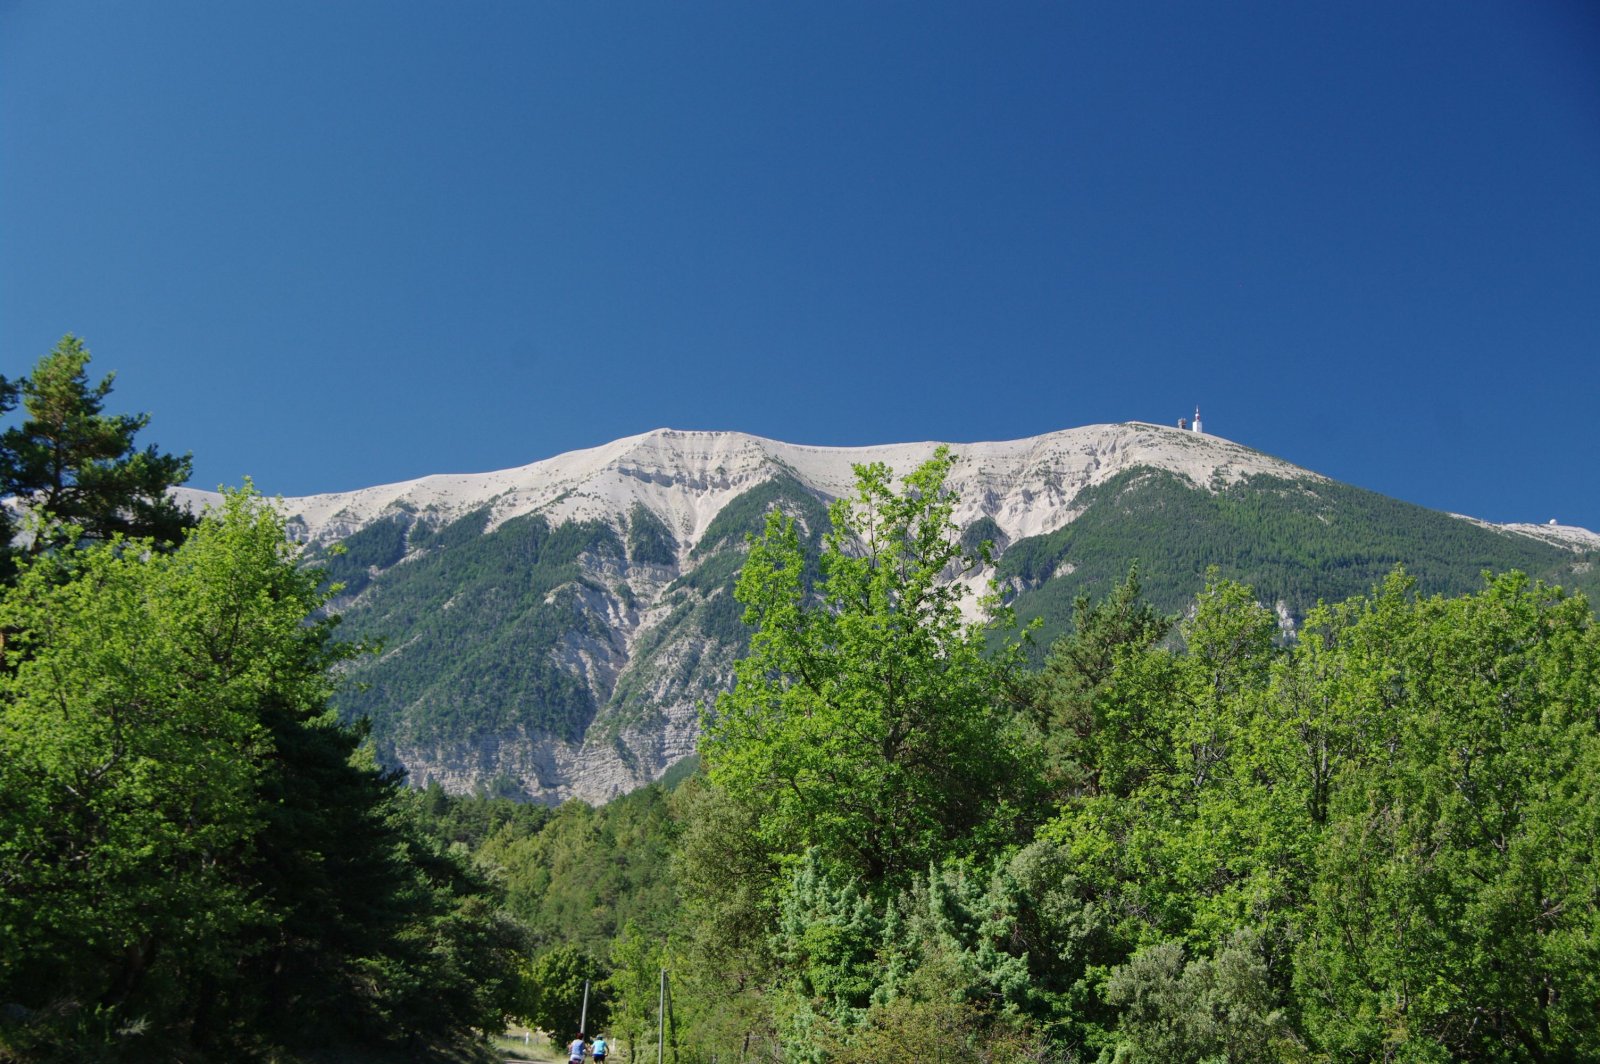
(335,244)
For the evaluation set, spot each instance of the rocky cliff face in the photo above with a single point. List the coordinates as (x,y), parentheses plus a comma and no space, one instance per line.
(551,631)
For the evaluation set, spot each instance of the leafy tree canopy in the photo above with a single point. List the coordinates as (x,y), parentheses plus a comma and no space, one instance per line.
(867,720)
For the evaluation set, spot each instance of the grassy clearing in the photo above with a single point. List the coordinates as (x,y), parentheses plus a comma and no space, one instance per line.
(510,1046)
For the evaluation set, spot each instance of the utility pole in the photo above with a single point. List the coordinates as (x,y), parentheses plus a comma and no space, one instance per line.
(583,1023)
(661,1020)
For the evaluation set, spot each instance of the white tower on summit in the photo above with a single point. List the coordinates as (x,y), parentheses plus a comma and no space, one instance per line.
(1197,419)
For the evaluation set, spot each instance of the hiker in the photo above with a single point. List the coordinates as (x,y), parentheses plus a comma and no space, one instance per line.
(575,1051)
(600,1049)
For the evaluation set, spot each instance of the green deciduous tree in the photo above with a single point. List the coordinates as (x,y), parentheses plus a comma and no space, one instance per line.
(869,720)
(554,992)
(131,749)
(1172,835)
(1456,903)
(727,879)
(632,988)
(1399,808)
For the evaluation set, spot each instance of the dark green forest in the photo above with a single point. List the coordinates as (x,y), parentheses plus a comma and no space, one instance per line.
(1294,542)
(459,677)
(1164,828)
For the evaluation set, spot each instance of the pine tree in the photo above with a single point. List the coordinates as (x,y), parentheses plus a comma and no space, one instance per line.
(71,465)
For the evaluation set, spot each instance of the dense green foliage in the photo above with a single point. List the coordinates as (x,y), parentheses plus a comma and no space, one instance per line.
(588,873)
(469,823)
(1293,541)
(194,859)
(848,704)
(590,888)
(650,541)
(1376,842)
(984,530)
(365,552)
(747,514)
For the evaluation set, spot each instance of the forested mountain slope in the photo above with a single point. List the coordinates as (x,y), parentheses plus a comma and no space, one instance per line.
(549,631)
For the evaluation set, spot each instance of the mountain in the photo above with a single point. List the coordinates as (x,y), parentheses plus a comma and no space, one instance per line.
(549,631)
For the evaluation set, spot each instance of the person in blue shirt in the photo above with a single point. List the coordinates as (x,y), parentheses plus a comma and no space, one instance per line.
(576,1049)
(600,1049)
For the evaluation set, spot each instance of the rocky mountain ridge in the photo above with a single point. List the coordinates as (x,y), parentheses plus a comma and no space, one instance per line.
(549,631)
(687,477)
